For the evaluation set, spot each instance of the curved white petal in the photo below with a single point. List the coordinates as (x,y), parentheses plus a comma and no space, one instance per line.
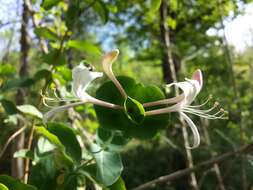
(107,62)
(82,77)
(196,137)
(56,110)
(190,87)
(197,75)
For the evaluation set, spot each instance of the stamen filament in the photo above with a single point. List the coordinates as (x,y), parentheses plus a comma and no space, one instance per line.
(204,103)
(202,111)
(205,115)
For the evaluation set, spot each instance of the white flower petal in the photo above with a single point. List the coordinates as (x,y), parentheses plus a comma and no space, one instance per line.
(197,75)
(107,62)
(196,137)
(82,77)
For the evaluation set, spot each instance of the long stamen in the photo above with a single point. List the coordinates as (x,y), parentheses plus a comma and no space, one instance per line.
(52,112)
(107,62)
(208,116)
(203,111)
(204,103)
(165,101)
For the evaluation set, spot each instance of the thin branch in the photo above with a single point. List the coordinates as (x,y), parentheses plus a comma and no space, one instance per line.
(13,136)
(187,171)
(216,167)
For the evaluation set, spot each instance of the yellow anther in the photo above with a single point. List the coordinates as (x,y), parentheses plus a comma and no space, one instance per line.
(222,110)
(216,104)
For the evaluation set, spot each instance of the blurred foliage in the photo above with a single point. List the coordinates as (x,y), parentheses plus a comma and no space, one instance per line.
(80,30)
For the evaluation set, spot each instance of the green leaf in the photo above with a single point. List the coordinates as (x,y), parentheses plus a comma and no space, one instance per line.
(72,14)
(48,4)
(16,83)
(30,110)
(134,110)
(3,187)
(46,33)
(9,107)
(24,153)
(111,139)
(144,130)
(42,74)
(155,5)
(109,165)
(84,46)
(67,137)
(43,174)
(118,185)
(172,23)
(7,69)
(14,184)
(54,57)
(62,159)
(101,9)
(51,137)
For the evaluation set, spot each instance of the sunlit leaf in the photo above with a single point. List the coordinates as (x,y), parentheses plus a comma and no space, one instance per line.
(24,153)
(84,46)
(155,4)
(30,110)
(3,187)
(51,137)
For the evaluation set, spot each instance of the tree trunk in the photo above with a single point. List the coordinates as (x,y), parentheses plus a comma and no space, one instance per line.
(17,168)
(170,75)
(168,67)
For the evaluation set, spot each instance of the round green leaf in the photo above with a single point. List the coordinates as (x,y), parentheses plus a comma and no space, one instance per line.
(108,164)
(134,110)
(118,120)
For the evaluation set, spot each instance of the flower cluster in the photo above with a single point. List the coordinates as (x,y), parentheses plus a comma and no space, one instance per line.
(181,104)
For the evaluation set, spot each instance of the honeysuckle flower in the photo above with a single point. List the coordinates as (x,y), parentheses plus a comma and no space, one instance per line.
(190,89)
(82,77)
